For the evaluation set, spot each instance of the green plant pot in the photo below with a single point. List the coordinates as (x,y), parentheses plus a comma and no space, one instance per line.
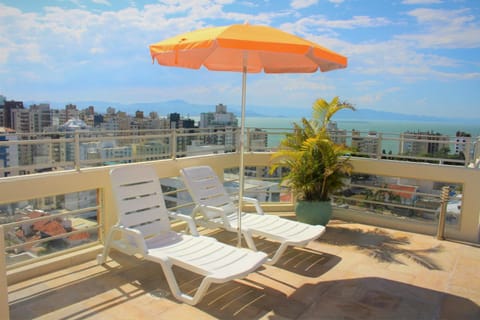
(314,212)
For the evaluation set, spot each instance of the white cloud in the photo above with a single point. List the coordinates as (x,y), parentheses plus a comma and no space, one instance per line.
(401,57)
(249,4)
(104,2)
(57,45)
(400,60)
(321,28)
(61,36)
(286,89)
(262,89)
(445,29)
(357,22)
(78,3)
(301,4)
(97,50)
(422,2)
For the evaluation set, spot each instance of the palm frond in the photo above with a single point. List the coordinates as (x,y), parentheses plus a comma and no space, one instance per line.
(316,165)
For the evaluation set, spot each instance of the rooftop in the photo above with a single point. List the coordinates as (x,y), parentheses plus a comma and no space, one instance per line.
(354,271)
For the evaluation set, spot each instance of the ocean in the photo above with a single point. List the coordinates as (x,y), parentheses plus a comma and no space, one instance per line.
(384,126)
(388,128)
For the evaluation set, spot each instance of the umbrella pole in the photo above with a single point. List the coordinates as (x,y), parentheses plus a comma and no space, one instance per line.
(242,149)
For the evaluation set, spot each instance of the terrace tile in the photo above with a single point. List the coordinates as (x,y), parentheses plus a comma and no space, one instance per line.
(353,272)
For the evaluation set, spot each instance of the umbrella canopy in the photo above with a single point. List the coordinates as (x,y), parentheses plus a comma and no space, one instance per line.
(248,49)
(258,48)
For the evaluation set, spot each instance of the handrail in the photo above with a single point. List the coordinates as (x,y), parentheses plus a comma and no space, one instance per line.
(59,150)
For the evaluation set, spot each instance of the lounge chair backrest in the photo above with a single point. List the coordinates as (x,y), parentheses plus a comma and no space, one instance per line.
(139,200)
(209,190)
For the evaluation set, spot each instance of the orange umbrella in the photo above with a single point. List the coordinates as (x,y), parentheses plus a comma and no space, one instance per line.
(248,49)
(240,46)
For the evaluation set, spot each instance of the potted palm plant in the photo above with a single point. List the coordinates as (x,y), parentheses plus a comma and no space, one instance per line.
(316,165)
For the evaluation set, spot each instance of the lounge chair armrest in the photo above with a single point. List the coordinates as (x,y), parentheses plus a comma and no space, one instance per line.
(255,202)
(188,219)
(137,236)
(203,209)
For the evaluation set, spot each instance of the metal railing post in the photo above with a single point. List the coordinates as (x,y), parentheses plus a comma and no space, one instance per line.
(4,311)
(379,146)
(467,153)
(443,212)
(174,144)
(476,150)
(76,139)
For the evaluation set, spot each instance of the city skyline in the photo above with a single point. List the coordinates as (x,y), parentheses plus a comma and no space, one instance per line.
(405,56)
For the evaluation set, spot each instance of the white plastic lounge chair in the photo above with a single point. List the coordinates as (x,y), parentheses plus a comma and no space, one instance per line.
(219,211)
(143,228)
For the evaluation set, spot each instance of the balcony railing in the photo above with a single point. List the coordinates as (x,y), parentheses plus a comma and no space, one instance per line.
(57,213)
(48,213)
(22,154)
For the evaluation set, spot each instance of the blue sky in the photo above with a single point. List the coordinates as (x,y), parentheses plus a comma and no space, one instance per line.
(405,56)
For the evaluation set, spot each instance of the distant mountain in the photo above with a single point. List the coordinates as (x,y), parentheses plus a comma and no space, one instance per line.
(190,109)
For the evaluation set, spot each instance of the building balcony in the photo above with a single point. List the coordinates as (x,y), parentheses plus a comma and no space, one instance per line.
(370,263)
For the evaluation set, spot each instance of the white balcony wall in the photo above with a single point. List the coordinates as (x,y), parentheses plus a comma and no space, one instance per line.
(20,188)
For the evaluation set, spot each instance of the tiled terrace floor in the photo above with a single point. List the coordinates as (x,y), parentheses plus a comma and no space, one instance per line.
(353,272)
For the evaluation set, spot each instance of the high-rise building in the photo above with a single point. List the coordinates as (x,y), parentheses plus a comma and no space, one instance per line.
(8,154)
(221,127)
(71,112)
(338,136)
(20,120)
(139,114)
(219,118)
(366,144)
(462,141)
(8,107)
(40,117)
(258,140)
(423,143)
(71,126)
(2,108)
(174,120)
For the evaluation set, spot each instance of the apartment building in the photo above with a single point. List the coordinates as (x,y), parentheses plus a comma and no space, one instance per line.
(365,144)
(8,154)
(423,143)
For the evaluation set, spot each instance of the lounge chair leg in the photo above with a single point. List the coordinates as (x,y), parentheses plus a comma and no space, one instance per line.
(102,257)
(249,240)
(277,254)
(177,293)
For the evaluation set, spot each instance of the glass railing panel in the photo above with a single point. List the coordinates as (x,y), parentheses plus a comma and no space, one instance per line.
(124,147)
(400,198)
(177,198)
(22,153)
(258,184)
(396,197)
(196,142)
(39,228)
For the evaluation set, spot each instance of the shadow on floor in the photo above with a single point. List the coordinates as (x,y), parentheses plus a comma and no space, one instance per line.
(380,244)
(303,261)
(58,290)
(378,298)
(128,283)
